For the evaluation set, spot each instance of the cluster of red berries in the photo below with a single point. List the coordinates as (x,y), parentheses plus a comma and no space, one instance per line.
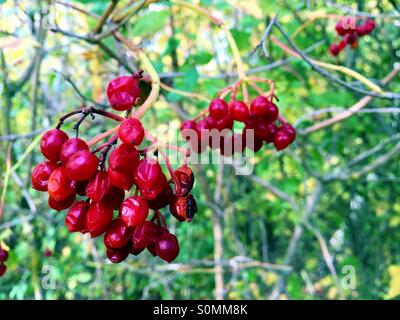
(216,129)
(348,29)
(3,258)
(72,170)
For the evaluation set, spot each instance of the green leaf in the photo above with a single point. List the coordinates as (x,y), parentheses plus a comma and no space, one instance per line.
(199,58)
(150,23)
(242,39)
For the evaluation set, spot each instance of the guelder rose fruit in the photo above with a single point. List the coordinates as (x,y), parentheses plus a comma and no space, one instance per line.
(122,92)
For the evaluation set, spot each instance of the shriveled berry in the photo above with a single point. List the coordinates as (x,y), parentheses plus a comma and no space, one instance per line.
(76,218)
(41,174)
(131,131)
(218,109)
(183,180)
(82,165)
(63,204)
(70,147)
(281,140)
(122,92)
(99,218)
(118,234)
(134,211)
(146,234)
(3,269)
(118,255)
(59,185)
(51,144)
(167,247)
(183,208)
(239,111)
(162,199)
(3,254)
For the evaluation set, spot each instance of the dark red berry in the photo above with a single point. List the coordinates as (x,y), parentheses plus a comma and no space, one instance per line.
(63,204)
(167,247)
(146,234)
(122,92)
(131,131)
(183,180)
(76,218)
(118,255)
(218,109)
(224,123)
(281,140)
(289,130)
(189,130)
(183,208)
(118,234)
(97,186)
(3,254)
(3,269)
(48,253)
(82,165)
(113,198)
(135,251)
(80,187)
(59,185)
(51,144)
(134,211)
(41,174)
(251,141)
(98,220)
(70,147)
(152,249)
(162,199)
(335,49)
(239,111)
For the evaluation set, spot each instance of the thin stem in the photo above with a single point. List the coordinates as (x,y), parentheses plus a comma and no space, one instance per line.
(112,5)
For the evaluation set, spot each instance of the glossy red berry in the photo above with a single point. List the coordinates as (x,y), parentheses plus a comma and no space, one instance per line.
(113,198)
(263,108)
(162,199)
(335,49)
(183,180)
(239,111)
(152,191)
(122,180)
(135,251)
(99,218)
(149,177)
(289,130)
(167,247)
(118,255)
(118,234)
(281,140)
(183,208)
(131,131)
(152,249)
(134,211)
(3,269)
(59,185)
(76,218)
(82,165)
(97,186)
(51,144)
(70,147)
(189,130)
(218,109)
(122,93)
(224,123)
(146,234)
(41,174)
(124,159)
(3,254)
(63,204)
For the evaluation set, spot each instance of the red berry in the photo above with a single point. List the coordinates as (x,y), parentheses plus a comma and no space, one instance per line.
(80,187)
(351,38)
(48,253)
(162,200)
(239,111)
(59,185)
(263,108)
(41,174)
(99,218)
(118,234)
(113,198)
(51,144)
(97,186)
(70,147)
(189,130)
(183,180)
(149,177)
(63,204)
(335,49)
(342,44)
(183,208)
(122,92)
(134,211)
(118,255)
(218,109)
(251,141)
(124,158)
(345,25)
(82,165)
(369,26)
(362,30)
(131,131)
(135,251)
(152,249)
(152,191)
(146,234)
(3,269)
(76,218)
(122,180)
(289,130)
(224,123)
(281,140)
(3,255)
(167,247)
